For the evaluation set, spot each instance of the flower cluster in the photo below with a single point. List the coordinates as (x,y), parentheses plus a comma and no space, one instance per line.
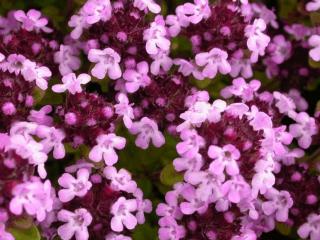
(235,159)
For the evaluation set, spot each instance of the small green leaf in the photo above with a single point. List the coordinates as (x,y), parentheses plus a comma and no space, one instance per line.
(169,176)
(31,233)
(314,64)
(283,229)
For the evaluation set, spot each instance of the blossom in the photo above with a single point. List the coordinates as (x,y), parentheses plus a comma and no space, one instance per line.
(74,186)
(67,58)
(113,236)
(106,143)
(188,164)
(147,130)
(147,4)
(310,228)
(76,224)
(40,117)
(224,158)
(52,140)
(155,37)
(193,13)
(194,201)
(143,205)
(279,203)
(31,72)
(124,108)
(191,143)
(280,49)
(14,63)
(34,197)
(72,83)
(257,40)
(313,5)
(213,61)
(31,150)
(32,20)
(304,129)
(284,103)
(137,78)
(314,41)
(122,214)
(174,26)
(120,180)
(107,62)
(169,229)
(240,88)
(97,10)
(236,189)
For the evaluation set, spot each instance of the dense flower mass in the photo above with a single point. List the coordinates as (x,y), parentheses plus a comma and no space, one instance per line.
(208,108)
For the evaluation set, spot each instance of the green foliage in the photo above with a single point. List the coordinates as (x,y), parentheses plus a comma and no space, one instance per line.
(29,233)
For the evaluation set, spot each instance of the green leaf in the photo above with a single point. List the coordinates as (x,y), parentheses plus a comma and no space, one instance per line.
(144,232)
(169,176)
(31,233)
(283,229)
(314,64)
(287,7)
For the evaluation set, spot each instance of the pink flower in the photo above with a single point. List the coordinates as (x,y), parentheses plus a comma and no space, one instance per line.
(32,21)
(113,236)
(314,41)
(34,197)
(280,49)
(217,108)
(147,4)
(174,26)
(40,117)
(74,186)
(161,62)
(300,102)
(52,139)
(224,158)
(14,63)
(279,204)
(236,189)
(155,37)
(106,143)
(257,40)
(72,83)
(143,205)
(193,13)
(310,228)
(97,10)
(120,181)
(78,22)
(171,209)
(194,201)
(195,115)
(31,72)
(241,66)
(107,62)
(122,214)
(284,103)
(147,130)
(67,58)
(188,164)
(213,61)
(169,229)
(4,234)
(124,108)
(304,129)
(191,144)
(31,150)
(76,224)
(313,5)
(137,78)
(208,183)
